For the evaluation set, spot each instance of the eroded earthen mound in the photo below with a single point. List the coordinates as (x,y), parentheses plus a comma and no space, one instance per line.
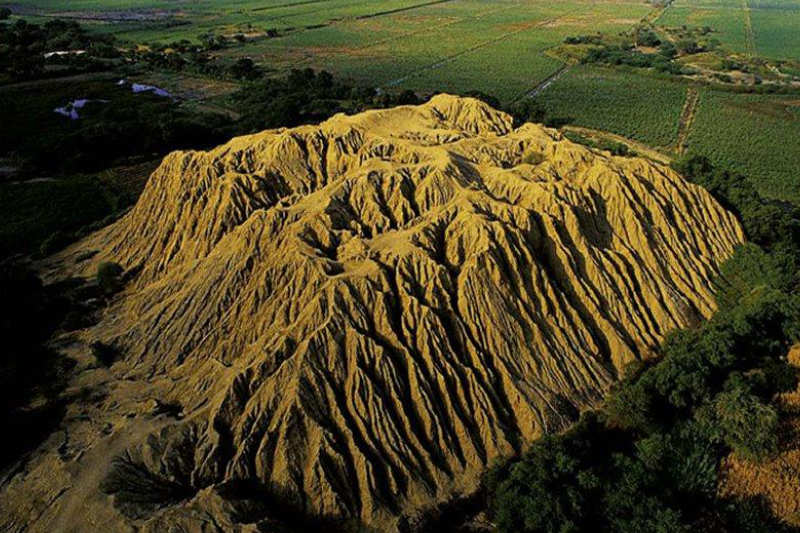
(356,318)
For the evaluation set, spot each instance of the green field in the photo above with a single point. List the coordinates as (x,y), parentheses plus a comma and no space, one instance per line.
(728,23)
(768,28)
(753,134)
(777,32)
(636,106)
(454,45)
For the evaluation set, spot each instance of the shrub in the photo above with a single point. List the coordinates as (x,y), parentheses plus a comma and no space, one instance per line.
(245,69)
(104,353)
(527,110)
(532,158)
(108,277)
(747,425)
(55,242)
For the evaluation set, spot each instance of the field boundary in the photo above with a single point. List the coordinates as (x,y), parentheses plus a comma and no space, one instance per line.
(641,148)
(545,83)
(749,34)
(686,120)
(289,4)
(425,30)
(484,44)
(438,28)
(653,16)
(401,9)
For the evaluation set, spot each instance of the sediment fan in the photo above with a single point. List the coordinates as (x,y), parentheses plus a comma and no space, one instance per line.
(357,317)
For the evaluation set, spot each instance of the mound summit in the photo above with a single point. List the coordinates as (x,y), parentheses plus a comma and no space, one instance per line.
(355,318)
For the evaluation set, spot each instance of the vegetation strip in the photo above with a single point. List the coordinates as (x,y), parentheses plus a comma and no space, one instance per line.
(640,148)
(401,9)
(267,8)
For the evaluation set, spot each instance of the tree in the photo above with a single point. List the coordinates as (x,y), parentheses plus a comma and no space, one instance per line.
(528,110)
(245,69)
(747,425)
(5,13)
(108,277)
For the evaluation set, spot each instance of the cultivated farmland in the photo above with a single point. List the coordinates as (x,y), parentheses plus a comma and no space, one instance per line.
(636,106)
(454,45)
(768,28)
(753,134)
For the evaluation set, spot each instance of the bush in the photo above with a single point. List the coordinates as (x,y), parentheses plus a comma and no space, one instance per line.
(104,353)
(748,426)
(245,69)
(108,277)
(532,158)
(527,110)
(55,242)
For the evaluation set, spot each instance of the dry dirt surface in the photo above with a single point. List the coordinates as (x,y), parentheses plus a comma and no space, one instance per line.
(353,319)
(776,481)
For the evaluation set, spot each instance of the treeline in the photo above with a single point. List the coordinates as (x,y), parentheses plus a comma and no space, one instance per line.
(648,460)
(306,96)
(23,47)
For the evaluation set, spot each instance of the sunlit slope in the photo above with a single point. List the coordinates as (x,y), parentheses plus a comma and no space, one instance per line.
(359,316)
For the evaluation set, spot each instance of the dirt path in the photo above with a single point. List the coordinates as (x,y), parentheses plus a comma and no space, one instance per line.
(750,37)
(402,9)
(653,16)
(438,28)
(291,4)
(547,82)
(687,119)
(310,57)
(641,149)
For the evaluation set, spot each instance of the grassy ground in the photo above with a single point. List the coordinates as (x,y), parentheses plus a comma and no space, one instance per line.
(728,23)
(74,204)
(777,32)
(640,107)
(753,134)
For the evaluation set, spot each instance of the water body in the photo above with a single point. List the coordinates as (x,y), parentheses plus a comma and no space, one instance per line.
(71,109)
(142,88)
